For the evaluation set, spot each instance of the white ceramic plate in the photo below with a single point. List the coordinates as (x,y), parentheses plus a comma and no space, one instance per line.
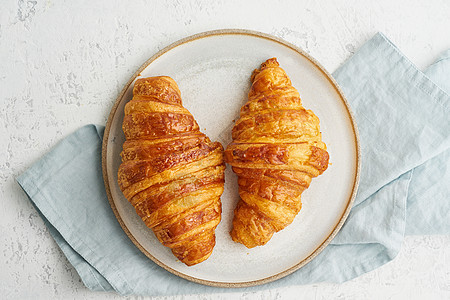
(213,71)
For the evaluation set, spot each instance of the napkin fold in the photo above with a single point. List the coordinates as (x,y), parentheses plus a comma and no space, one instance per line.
(403,120)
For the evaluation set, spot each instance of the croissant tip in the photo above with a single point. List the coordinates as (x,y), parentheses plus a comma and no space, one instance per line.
(155,80)
(270,63)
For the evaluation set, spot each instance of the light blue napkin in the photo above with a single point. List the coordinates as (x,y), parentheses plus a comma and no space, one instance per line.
(404,124)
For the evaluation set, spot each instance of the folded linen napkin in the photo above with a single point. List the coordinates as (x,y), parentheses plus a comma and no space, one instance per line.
(403,119)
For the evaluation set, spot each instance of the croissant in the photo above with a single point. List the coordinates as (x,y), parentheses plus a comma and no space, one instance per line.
(171,173)
(275,152)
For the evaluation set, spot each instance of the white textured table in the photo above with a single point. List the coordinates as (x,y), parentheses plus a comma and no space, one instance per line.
(63,63)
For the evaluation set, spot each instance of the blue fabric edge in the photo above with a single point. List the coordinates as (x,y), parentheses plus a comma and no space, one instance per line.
(421,80)
(32,192)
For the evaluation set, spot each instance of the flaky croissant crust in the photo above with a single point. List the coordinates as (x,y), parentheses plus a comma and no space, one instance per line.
(276,150)
(171,173)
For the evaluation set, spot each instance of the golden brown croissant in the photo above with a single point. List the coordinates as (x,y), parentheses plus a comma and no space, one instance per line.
(171,173)
(276,150)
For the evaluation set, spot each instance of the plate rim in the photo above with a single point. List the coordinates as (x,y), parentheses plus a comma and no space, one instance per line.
(293,268)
